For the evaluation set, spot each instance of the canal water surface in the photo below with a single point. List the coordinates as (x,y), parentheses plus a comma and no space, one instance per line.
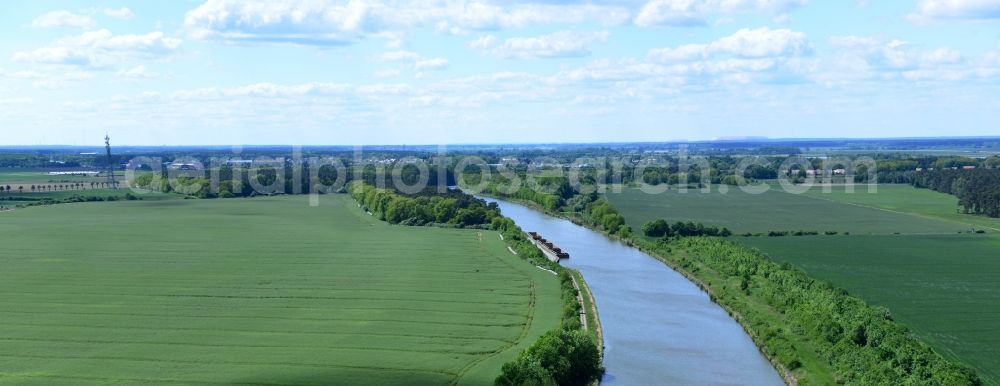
(659,328)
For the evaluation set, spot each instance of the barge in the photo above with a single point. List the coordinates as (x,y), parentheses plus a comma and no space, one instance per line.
(550,250)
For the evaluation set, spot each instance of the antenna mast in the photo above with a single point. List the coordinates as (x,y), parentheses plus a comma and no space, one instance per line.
(111,168)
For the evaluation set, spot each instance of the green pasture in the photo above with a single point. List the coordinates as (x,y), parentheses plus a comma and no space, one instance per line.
(907,199)
(944,287)
(258,291)
(775,209)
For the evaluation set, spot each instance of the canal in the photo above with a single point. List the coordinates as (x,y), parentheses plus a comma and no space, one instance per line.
(659,328)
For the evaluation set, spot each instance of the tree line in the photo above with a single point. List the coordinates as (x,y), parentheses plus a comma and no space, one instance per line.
(978,190)
(452,208)
(661,228)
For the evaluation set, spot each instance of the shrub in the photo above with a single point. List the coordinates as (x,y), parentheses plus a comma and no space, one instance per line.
(569,357)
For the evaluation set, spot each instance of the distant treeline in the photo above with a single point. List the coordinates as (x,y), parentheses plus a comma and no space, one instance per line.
(41,161)
(228,181)
(23,202)
(978,190)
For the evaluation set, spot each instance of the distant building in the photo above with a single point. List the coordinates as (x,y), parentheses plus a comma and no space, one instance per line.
(183,166)
(968,167)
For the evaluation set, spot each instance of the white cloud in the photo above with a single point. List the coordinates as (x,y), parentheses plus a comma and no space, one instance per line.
(862,58)
(100,48)
(691,13)
(482,42)
(559,44)
(327,22)
(776,7)
(431,64)
(63,18)
(120,13)
(674,13)
(745,43)
(763,42)
(956,9)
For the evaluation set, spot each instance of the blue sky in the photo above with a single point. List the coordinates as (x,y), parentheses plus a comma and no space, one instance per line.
(317,72)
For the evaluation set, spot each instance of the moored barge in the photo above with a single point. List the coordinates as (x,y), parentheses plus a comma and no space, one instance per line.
(550,250)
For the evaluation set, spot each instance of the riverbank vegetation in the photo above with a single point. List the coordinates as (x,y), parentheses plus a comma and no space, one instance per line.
(940,286)
(451,208)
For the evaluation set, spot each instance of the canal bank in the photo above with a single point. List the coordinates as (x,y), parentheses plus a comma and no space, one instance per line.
(658,327)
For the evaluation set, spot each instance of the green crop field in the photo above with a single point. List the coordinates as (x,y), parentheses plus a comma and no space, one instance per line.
(774,210)
(258,291)
(943,286)
(905,198)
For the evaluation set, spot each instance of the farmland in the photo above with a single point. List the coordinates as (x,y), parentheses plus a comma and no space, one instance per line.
(907,199)
(943,286)
(773,210)
(264,290)
(27,177)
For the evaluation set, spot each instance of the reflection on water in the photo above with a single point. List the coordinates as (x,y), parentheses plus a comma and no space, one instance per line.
(659,328)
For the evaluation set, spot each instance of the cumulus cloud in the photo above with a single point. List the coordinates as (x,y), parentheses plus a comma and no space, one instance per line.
(557,45)
(63,18)
(327,22)
(745,43)
(674,13)
(692,13)
(120,13)
(763,42)
(956,9)
(99,48)
(868,57)
(482,42)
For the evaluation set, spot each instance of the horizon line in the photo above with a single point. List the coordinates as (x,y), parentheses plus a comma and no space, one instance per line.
(747,139)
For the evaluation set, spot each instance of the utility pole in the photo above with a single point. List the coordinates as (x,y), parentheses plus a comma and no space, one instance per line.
(111,166)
